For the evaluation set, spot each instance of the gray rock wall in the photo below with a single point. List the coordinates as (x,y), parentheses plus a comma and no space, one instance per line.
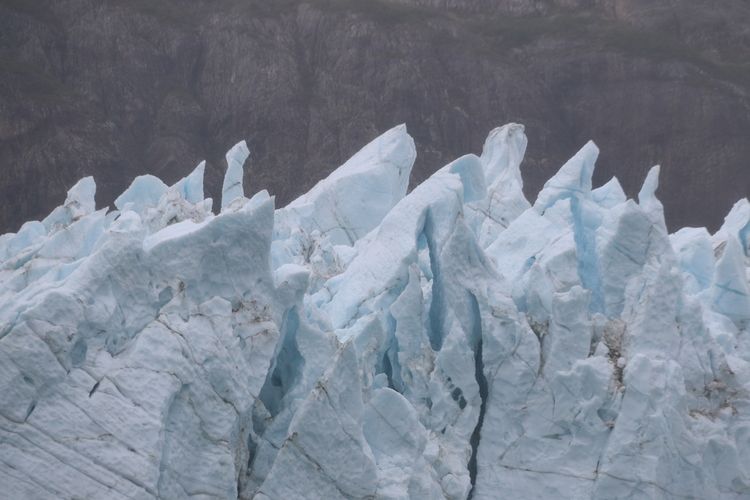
(116,88)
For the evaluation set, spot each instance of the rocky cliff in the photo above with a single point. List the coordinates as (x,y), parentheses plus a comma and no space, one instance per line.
(117,88)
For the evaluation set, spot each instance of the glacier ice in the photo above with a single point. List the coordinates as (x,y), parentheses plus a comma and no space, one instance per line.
(456,341)
(232,188)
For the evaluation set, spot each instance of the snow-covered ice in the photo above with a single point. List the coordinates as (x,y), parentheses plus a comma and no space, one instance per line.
(456,341)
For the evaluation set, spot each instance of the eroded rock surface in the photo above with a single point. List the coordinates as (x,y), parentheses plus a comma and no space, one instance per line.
(120,88)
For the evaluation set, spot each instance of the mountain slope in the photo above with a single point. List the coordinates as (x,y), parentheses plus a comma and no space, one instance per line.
(116,88)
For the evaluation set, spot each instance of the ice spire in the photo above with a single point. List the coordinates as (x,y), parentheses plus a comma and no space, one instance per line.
(610,194)
(356,196)
(78,203)
(191,187)
(80,199)
(647,198)
(501,159)
(572,180)
(502,154)
(736,223)
(232,187)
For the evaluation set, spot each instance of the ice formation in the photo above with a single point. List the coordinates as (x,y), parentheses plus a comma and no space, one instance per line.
(361,342)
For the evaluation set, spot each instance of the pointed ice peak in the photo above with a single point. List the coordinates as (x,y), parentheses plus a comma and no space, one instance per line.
(232,187)
(144,192)
(191,187)
(501,158)
(392,149)
(353,199)
(610,194)
(738,216)
(503,152)
(736,224)
(573,178)
(78,203)
(647,194)
(425,218)
(80,199)
(647,197)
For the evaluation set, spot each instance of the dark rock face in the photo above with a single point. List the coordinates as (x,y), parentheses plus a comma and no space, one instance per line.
(118,88)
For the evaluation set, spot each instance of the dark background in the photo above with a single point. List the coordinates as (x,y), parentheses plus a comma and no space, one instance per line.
(118,88)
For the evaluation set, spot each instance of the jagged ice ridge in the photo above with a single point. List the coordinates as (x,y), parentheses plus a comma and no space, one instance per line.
(456,341)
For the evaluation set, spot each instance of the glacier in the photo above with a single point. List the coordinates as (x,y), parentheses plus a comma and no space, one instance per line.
(367,342)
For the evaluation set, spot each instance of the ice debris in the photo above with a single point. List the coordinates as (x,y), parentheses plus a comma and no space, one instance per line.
(361,342)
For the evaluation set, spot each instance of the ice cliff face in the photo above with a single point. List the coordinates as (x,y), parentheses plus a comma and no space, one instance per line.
(362,342)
